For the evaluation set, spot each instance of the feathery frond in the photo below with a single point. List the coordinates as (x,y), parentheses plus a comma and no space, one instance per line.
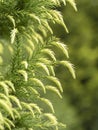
(27,25)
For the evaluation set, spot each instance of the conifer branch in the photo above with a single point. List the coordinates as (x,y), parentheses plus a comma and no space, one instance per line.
(26,24)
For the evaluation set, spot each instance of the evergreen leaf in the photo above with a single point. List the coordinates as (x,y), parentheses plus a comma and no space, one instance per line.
(12,20)
(13,35)
(54,89)
(7,125)
(45,60)
(1,118)
(36,107)
(31,44)
(48,102)
(69,66)
(34,91)
(47,26)
(5,87)
(43,66)
(58,18)
(35,17)
(62,47)
(25,63)
(5,97)
(49,52)
(9,122)
(10,84)
(29,51)
(4,104)
(52,118)
(56,81)
(39,83)
(16,100)
(52,70)
(16,113)
(24,74)
(28,107)
(72,2)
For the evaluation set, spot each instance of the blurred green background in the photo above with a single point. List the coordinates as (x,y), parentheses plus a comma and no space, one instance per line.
(81,95)
(79,106)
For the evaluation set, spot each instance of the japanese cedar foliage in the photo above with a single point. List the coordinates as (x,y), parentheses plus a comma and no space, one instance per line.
(25,25)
